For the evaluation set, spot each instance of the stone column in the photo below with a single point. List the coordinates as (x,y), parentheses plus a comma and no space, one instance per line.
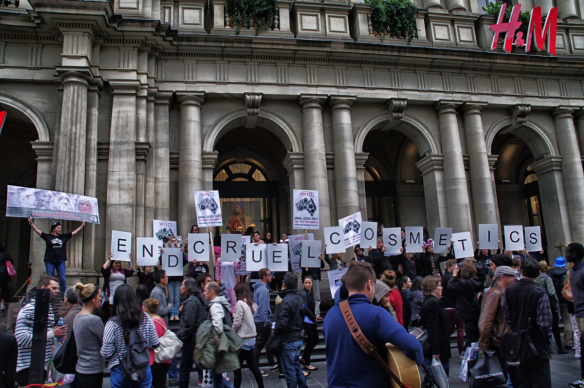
(315,170)
(121,177)
(162,157)
(483,197)
(459,211)
(432,168)
(346,189)
(89,231)
(294,164)
(579,115)
(190,166)
(142,149)
(44,153)
(149,171)
(209,160)
(360,160)
(553,203)
(571,169)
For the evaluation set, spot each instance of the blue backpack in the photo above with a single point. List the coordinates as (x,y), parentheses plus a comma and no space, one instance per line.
(136,362)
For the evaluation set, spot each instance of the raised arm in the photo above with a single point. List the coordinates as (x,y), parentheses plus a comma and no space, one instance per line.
(33,226)
(78,229)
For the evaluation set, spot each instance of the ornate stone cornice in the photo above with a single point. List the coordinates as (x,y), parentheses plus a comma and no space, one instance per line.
(430,163)
(43,150)
(549,164)
(396,107)
(142,150)
(252,106)
(519,113)
(294,161)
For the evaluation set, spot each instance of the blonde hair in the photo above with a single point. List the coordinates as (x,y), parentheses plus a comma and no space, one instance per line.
(85,291)
(468,269)
(543,266)
(389,277)
(151,305)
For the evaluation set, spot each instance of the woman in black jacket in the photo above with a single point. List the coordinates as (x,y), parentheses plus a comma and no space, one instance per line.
(465,285)
(433,318)
(113,276)
(5,291)
(309,324)
(193,314)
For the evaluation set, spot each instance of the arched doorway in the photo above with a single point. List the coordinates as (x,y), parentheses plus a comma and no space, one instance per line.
(252,181)
(18,167)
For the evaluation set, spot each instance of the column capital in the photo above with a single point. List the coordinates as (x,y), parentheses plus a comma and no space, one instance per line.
(312,100)
(143,92)
(209,159)
(294,161)
(472,107)
(152,94)
(345,102)
(124,86)
(447,106)
(361,159)
(548,164)
(43,150)
(492,160)
(190,98)
(579,115)
(430,163)
(79,75)
(563,112)
(396,108)
(163,97)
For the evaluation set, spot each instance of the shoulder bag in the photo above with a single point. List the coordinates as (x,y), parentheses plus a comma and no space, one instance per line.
(169,346)
(65,360)
(567,293)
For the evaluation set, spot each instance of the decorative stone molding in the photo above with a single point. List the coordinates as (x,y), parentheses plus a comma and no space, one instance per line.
(549,164)
(294,161)
(142,150)
(396,108)
(252,106)
(430,163)
(520,113)
(43,150)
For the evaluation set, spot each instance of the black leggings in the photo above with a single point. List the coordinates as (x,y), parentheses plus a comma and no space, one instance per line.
(311,342)
(159,372)
(250,358)
(88,381)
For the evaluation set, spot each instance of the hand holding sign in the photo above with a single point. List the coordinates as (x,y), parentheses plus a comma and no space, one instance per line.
(121,247)
(147,251)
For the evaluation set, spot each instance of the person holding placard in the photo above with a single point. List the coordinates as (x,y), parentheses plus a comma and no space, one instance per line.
(465,284)
(113,277)
(377,259)
(310,329)
(56,250)
(314,273)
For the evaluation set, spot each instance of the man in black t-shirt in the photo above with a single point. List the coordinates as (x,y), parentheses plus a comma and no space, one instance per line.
(56,251)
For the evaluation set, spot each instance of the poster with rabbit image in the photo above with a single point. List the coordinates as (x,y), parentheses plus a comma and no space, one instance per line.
(305,209)
(208,208)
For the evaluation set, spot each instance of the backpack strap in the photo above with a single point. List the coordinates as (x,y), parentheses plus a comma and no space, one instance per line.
(363,341)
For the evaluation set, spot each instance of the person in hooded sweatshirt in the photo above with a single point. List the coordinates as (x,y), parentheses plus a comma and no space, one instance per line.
(261,297)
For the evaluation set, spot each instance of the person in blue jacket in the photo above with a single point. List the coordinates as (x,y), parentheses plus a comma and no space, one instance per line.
(344,356)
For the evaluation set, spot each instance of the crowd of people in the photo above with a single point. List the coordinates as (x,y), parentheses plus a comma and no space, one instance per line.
(481,298)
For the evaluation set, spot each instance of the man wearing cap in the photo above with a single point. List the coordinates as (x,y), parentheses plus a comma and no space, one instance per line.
(492,323)
(558,275)
(499,260)
(56,251)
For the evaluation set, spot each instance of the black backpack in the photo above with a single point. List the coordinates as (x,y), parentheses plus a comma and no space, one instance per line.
(137,359)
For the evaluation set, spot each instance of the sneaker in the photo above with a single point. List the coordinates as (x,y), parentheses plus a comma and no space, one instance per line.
(200,382)
(281,376)
(274,367)
(577,384)
(173,383)
(318,318)
(577,355)
(264,374)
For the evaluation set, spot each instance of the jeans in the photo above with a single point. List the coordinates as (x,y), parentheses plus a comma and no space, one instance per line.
(186,364)
(173,289)
(173,370)
(220,382)
(117,379)
(316,293)
(290,364)
(58,265)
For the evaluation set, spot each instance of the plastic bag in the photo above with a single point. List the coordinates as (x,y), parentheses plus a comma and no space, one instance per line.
(463,375)
(439,373)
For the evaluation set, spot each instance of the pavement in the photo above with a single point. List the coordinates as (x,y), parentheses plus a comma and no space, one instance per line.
(564,370)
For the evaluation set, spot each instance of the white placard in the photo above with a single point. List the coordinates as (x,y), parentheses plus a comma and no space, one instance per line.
(488,236)
(121,247)
(256,257)
(147,251)
(305,209)
(334,240)
(208,206)
(278,257)
(242,270)
(414,239)
(513,237)
(295,249)
(334,277)
(230,247)
(442,239)
(199,248)
(463,246)
(172,261)
(532,238)
(163,229)
(310,252)
(351,229)
(368,235)
(391,240)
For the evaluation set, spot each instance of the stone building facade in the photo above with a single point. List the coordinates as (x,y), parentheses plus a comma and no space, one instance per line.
(142,102)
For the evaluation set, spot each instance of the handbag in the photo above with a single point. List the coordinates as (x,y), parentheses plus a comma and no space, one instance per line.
(65,358)
(517,347)
(422,335)
(169,346)
(567,293)
(274,344)
(10,270)
(487,372)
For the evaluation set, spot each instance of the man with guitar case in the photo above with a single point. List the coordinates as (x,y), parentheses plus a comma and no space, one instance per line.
(356,333)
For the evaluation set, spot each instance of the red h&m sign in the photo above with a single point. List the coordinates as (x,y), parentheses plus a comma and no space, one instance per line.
(2,120)
(535,33)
